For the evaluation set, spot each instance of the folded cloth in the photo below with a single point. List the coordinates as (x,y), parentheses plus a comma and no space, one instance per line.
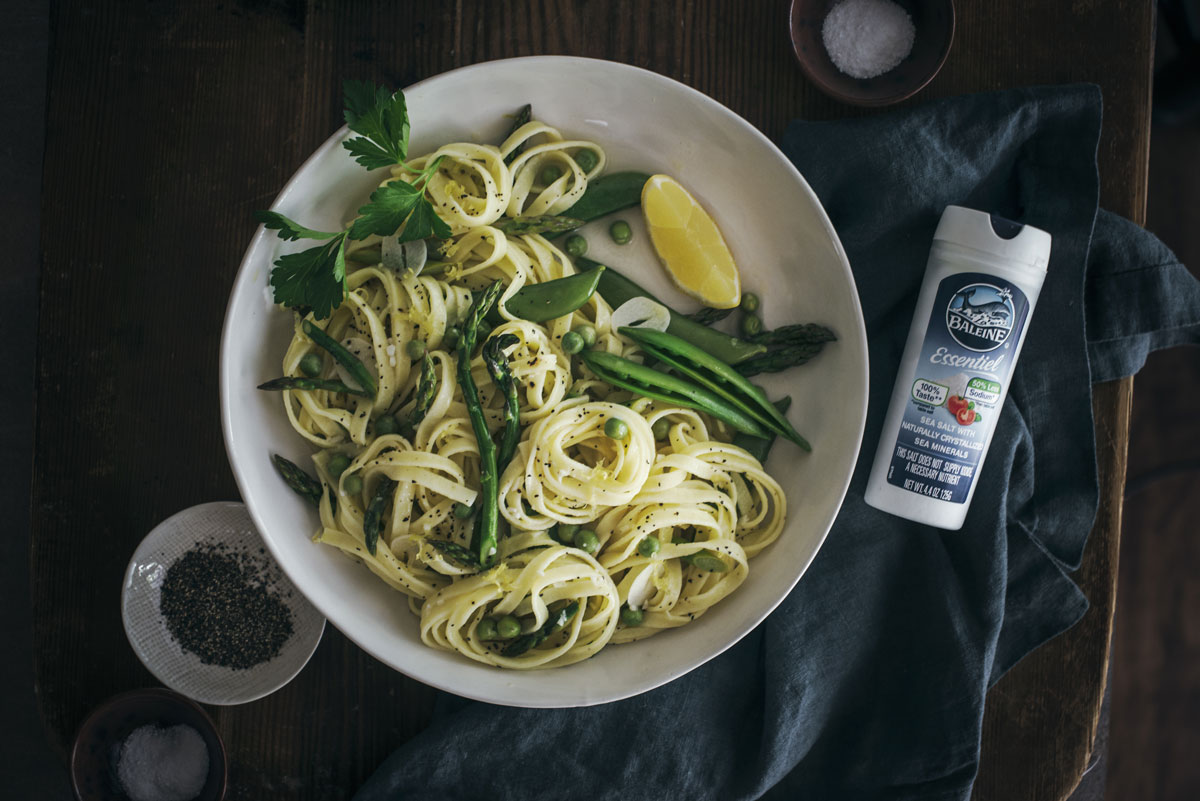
(869,680)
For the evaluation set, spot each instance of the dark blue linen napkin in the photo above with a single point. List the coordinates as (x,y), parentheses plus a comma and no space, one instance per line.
(869,680)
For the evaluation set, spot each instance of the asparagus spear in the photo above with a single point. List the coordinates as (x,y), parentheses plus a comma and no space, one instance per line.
(524,114)
(455,553)
(426,385)
(483,541)
(779,359)
(301,482)
(374,515)
(344,357)
(300,382)
(498,369)
(538,225)
(707,316)
(793,335)
(534,638)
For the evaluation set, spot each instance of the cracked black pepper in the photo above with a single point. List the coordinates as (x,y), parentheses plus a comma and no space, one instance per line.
(225,607)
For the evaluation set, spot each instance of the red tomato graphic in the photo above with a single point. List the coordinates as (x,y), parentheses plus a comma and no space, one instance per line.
(954,403)
(965,416)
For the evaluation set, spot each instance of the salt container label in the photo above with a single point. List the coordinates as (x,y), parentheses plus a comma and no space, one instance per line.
(966,360)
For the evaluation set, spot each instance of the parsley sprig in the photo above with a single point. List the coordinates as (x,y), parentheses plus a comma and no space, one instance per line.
(315,279)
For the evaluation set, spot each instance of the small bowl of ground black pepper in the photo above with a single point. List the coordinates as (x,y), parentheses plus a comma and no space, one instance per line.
(209,612)
(871,52)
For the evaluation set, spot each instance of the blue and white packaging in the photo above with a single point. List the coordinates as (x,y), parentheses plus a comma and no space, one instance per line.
(981,284)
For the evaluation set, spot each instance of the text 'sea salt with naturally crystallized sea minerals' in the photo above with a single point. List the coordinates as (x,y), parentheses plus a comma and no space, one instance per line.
(981,283)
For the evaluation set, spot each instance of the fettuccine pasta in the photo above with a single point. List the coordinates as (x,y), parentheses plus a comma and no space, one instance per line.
(591,524)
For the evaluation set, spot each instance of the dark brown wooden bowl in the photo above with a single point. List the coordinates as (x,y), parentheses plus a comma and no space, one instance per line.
(934,23)
(94,755)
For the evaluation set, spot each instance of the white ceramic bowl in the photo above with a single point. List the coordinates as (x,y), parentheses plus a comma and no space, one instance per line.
(228,526)
(788,252)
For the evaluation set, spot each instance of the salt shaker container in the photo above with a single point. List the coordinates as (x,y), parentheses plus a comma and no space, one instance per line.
(981,284)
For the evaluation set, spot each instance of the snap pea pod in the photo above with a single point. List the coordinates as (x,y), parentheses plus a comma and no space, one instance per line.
(538,303)
(344,357)
(483,540)
(455,553)
(545,224)
(714,375)
(609,193)
(524,114)
(301,482)
(759,447)
(300,382)
(535,638)
(616,289)
(373,518)
(498,369)
(650,383)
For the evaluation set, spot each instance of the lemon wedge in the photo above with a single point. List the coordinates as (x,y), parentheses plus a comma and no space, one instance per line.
(689,244)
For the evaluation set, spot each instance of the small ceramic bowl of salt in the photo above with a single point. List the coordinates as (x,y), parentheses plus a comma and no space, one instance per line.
(148,745)
(871,52)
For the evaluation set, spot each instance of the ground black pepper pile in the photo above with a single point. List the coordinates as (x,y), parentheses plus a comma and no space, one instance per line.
(223,606)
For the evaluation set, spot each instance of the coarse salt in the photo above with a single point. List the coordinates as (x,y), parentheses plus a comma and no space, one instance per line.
(866,38)
(163,764)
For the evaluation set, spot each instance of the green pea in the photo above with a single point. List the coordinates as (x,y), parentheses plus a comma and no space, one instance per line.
(649,546)
(751,325)
(486,629)
(462,511)
(587,160)
(587,541)
(508,627)
(337,464)
(450,338)
(616,428)
(352,484)
(310,365)
(632,617)
(549,174)
(707,560)
(661,428)
(572,342)
(620,232)
(565,532)
(749,302)
(576,246)
(588,332)
(386,425)
(414,348)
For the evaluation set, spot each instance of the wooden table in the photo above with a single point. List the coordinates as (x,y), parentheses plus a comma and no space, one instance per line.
(169,123)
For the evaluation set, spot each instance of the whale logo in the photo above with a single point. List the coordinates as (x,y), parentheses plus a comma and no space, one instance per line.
(980,317)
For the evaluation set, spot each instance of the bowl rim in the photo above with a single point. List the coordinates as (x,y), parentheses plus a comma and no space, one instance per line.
(120,699)
(794,10)
(434,680)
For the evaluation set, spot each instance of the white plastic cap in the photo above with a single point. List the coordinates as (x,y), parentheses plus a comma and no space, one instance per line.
(994,235)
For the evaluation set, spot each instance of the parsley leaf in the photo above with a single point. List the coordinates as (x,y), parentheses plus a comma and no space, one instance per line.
(382,119)
(391,205)
(313,279)
(289,229)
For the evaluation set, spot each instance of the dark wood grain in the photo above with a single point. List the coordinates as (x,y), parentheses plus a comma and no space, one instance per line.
(169,122)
